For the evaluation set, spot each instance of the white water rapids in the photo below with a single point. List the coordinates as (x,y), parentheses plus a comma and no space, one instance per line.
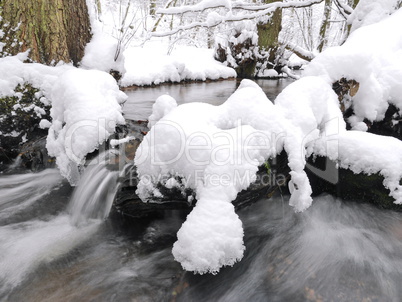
(339,251)
(28,241)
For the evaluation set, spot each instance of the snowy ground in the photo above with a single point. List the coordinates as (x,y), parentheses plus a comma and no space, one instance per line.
(151,64)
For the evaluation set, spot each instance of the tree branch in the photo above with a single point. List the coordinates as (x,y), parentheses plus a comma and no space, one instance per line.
(240,5)
(260,11)
(300,52)
(344,9)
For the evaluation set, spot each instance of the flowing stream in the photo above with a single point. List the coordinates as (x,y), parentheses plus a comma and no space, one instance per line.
(59,244)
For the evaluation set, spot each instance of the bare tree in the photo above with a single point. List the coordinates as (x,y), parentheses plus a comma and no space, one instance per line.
(325,25)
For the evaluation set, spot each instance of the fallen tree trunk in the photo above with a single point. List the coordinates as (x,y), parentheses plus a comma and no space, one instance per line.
(349,186)
(128,203)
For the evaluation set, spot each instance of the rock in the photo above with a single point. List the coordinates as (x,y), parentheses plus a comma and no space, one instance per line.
(352,187)
(34,155)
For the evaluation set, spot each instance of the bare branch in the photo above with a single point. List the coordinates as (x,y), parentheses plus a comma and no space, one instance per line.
(343,8)
(290,73)
(300,52)
(168,4)
(207,4)
(260,11)
(199,7)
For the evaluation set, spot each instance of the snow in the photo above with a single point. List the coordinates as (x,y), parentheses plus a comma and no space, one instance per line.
(152,65)
(14,72)
(85,107)
(115,142)
(368,12)
(218,149)
(200,6)
(372,56)
(162,106)
(85,111)
(244,11)
(268,73)
(366,153)
(100,54)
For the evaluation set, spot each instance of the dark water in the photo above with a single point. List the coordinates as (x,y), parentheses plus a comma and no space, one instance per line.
(335,251)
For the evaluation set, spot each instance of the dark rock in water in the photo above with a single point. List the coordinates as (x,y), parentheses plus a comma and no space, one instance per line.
(349,186)
(391,125)
(34,155)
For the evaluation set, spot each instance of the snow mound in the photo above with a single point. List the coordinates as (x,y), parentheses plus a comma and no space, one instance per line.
(150,65)
(162,106)
(368,12)
(372,56)
(13,72)
(85,107)
(85,111)
(100,54)
(367,153)
(217,150)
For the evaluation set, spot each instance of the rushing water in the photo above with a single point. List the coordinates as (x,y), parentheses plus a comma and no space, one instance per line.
(94,195)
(55,245)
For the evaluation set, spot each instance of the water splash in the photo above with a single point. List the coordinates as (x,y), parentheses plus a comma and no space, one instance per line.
(19,191)
(16,163)
(93,197)
(334,251)
(29,234)
(26,245)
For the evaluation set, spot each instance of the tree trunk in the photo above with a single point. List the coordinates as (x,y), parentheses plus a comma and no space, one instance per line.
(268,34)
(353,3)
(53,30)
(325,25)
(152,8)
(98,8)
